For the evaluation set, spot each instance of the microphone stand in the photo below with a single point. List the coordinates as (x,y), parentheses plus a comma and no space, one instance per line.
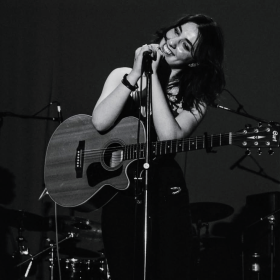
(10,114)
(34,116)
(147,69)
(247,115)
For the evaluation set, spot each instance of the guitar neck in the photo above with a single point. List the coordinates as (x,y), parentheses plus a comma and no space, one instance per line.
(178,145)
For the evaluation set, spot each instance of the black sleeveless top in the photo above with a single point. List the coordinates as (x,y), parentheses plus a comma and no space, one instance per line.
(174,98)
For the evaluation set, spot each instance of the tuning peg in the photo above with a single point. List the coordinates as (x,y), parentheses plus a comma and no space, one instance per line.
(248,152)
(271,152)
(259,152)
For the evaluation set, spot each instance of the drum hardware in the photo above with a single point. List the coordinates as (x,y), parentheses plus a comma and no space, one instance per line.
(202,213)
(51,247)
(51,244)
(271,221)
(22,220)
(75,268)
(81,227)
(22,250)
(71,227)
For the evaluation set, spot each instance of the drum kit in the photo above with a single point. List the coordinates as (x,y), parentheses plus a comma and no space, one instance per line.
(74,263)
(78,263)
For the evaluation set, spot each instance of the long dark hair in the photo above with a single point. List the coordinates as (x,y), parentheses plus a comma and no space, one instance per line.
(203,83)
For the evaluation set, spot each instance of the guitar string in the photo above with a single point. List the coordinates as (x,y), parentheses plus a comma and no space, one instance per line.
(197,141)
(173,143)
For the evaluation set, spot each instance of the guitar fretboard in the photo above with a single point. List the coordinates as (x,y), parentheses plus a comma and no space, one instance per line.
(178,145)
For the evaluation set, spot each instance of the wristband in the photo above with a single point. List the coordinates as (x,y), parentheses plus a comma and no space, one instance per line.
(128,85)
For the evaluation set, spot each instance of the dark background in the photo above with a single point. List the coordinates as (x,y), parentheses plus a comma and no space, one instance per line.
(54,50)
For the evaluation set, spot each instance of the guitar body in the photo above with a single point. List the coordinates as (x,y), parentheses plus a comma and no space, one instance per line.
(84,168)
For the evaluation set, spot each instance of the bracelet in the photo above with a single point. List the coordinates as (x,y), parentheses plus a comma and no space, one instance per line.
(128,85)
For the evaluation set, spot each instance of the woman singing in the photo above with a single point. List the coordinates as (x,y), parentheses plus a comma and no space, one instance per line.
(187,76)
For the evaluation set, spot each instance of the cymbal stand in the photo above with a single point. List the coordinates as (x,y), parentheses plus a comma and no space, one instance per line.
(271,220)
(199,226)
(51,247)
(23,249)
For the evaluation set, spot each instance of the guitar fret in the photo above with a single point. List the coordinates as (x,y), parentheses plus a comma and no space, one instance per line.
(128,152)
(177,145)
(124,154)
(134,152)
(137,153)
(186,144)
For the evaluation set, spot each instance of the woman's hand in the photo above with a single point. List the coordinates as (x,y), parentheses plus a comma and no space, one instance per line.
(156,55)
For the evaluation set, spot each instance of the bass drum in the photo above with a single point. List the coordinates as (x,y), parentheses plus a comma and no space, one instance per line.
(81,269)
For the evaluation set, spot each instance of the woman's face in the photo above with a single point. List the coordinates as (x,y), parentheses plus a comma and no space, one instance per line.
(178,44)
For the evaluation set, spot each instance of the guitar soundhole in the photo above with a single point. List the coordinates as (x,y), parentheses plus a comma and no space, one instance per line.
(113,156)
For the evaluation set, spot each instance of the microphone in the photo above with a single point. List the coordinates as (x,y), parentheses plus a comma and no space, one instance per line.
(147,62)
(147,53)
(215,105)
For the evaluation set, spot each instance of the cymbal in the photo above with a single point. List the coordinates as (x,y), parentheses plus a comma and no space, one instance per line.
(81,227)
(209,211)
(73,252)
(22,219)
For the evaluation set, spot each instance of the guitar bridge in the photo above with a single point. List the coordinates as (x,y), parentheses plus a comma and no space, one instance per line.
(79,160)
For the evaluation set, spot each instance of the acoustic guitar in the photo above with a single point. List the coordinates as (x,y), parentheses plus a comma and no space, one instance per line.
(86,169)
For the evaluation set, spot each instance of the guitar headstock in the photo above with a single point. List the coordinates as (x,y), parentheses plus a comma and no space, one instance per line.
(258,137)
